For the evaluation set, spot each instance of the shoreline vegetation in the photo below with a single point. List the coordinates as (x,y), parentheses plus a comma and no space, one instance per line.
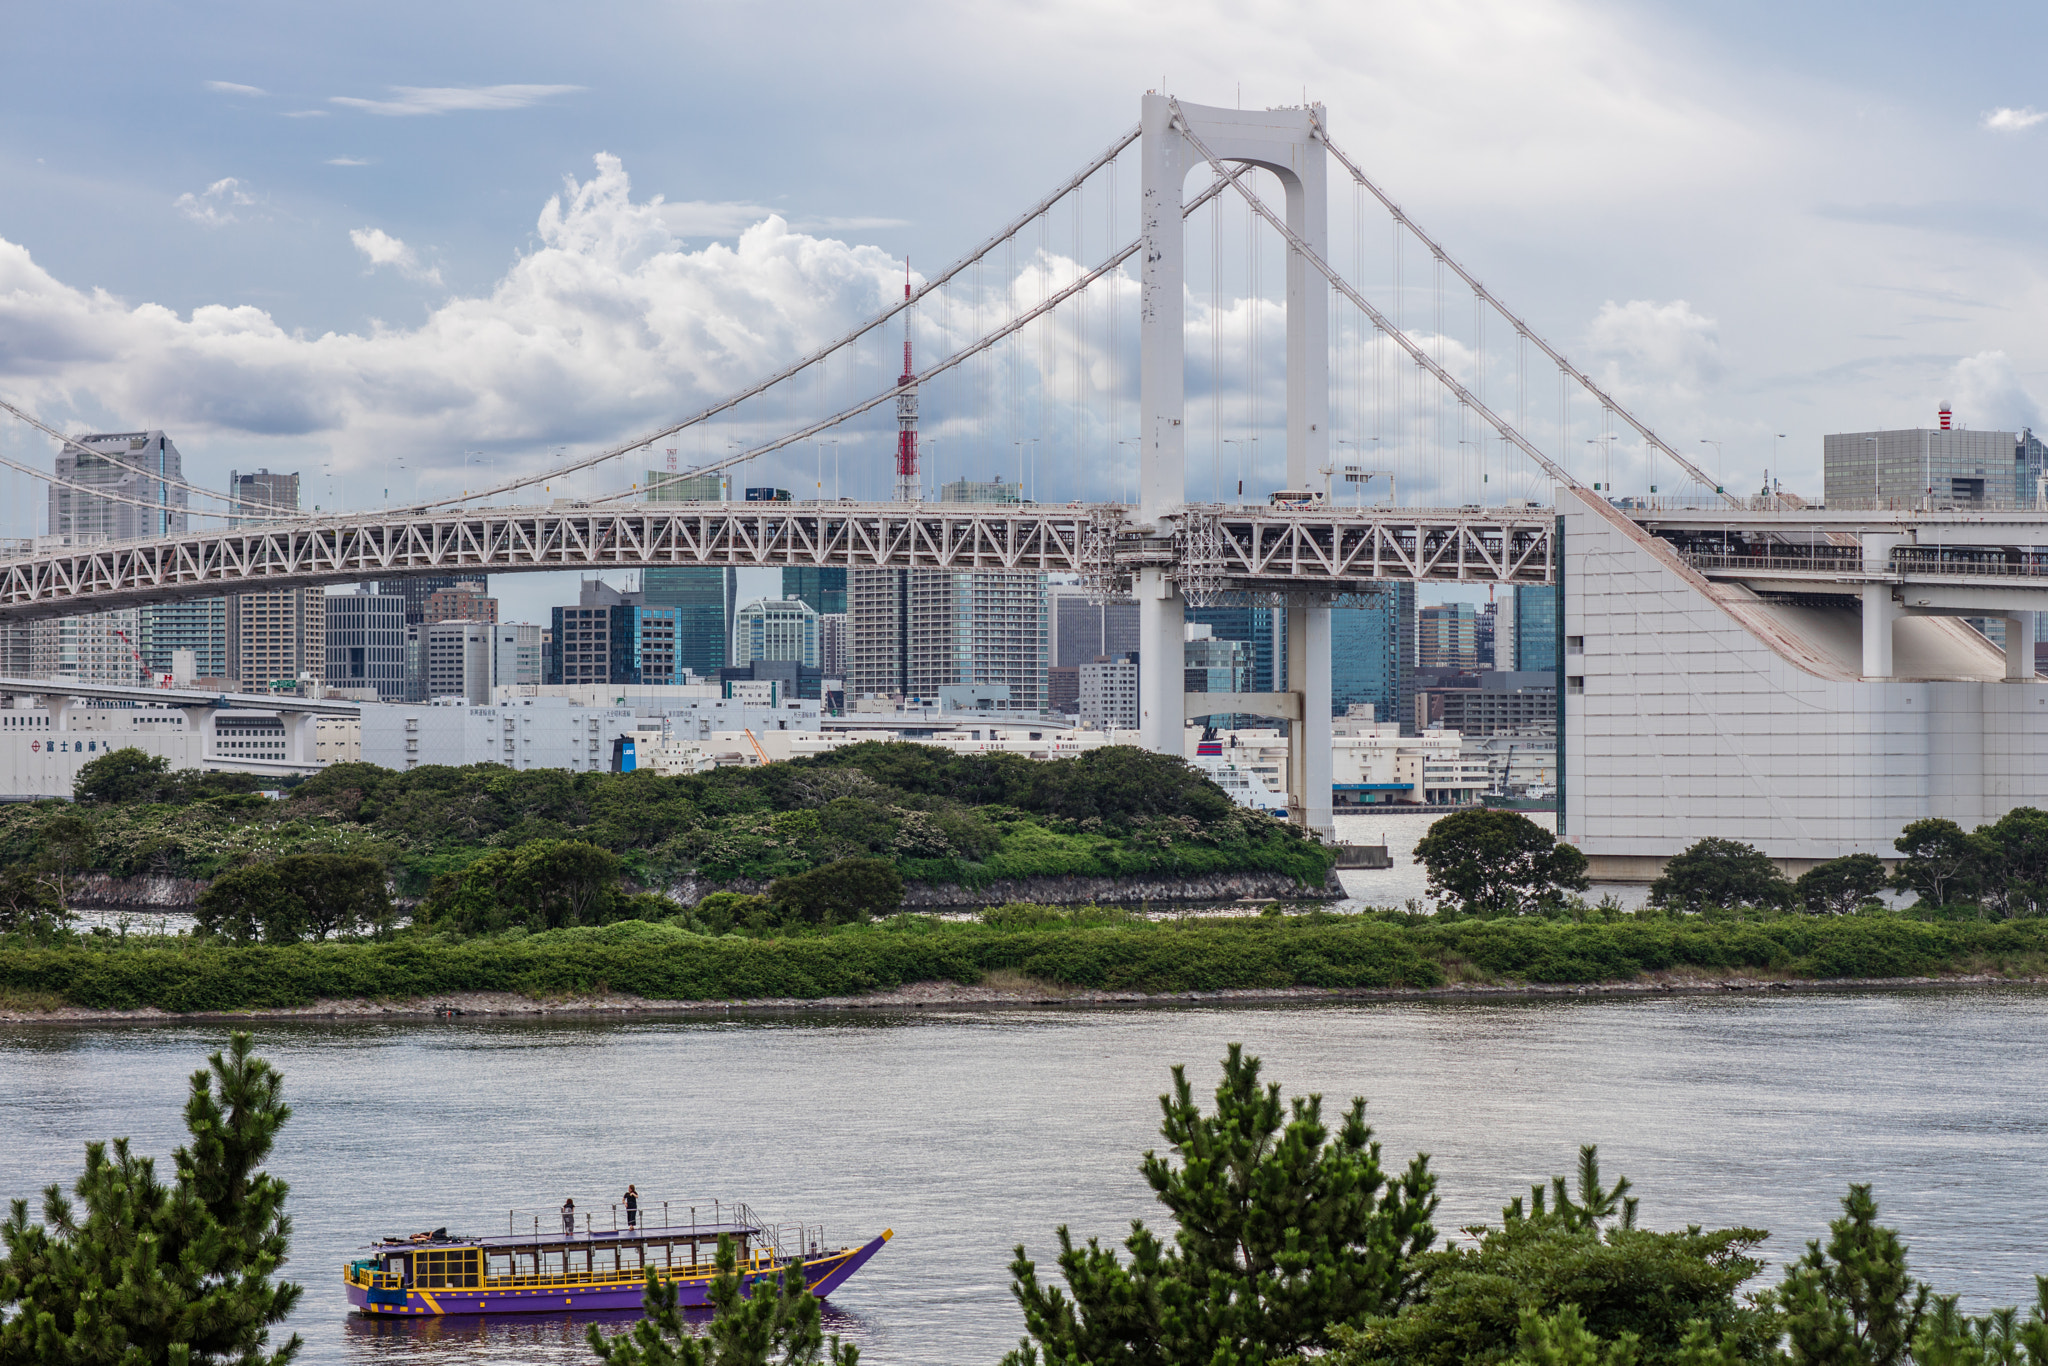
(1017,955)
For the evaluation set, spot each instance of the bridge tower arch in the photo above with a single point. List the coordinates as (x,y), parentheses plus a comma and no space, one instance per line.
(1283,141)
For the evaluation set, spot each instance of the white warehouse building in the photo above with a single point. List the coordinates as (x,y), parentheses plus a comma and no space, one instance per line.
(1811,707)
(555,732)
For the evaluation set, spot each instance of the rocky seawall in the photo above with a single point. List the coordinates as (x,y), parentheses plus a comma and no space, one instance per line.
(1068,891)
(149,892)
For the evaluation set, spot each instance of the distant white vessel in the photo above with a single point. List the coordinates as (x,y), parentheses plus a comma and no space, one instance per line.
(1245,787)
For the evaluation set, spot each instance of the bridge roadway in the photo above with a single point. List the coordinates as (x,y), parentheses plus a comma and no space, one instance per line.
(1205,548)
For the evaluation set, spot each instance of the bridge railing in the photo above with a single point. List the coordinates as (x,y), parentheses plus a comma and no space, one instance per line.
(1905,561)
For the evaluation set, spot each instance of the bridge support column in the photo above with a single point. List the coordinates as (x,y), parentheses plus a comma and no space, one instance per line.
(199,721)
(2019,646)
(299,747)
(1309,740)
(1162,618)
(1878,611)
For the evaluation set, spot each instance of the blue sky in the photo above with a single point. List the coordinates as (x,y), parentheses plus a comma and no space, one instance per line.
(312,236)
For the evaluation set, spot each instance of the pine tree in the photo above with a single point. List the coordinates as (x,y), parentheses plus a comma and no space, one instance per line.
(1852,1303)
(1285,1231)
(177,1274)
(780,1327)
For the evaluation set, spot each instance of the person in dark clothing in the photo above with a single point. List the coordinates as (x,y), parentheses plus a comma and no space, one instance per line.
(569,1215)
(632,1206)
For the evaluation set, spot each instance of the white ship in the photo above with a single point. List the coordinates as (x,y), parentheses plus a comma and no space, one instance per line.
(1245,787)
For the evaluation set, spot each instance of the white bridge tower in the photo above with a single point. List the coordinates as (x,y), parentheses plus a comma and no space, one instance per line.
(1285,142)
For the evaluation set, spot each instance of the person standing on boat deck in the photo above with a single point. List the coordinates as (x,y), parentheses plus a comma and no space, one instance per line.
(569,1215)
(632,1206)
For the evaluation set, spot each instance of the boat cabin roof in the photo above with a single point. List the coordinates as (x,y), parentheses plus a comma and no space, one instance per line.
(660,1233)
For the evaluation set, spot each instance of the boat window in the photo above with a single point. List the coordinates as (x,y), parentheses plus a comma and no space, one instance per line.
(609,1264)
(456,1268)
(498,1264)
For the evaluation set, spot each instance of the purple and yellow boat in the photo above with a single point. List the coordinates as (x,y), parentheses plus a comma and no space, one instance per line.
(592,1269)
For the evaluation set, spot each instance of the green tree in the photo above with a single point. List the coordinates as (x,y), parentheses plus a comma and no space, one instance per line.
(2015,848)
(1947,1337)
(68,838)
(842,893)
(336,893)
(1498,862)
(28,904)
(784,1326)
(1942,862)
(1852,1303)
(564,882)
(1840,885)
(250,903)
(1568,1277)
(1283,1232)
(126,775)
(140,1272)
(1724,873)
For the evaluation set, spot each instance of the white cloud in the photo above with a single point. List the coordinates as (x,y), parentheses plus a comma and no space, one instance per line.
(385,250)
(347,161)
(1663,350)
(2006,120)
(306,113)
(729,218)
(216,204)
(445,99)
(608,324)
(230,88)
(1990,394)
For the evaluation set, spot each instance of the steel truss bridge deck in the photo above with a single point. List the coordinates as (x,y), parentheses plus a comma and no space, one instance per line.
(1208,548)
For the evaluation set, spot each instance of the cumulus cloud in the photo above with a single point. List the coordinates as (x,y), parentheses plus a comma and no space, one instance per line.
(728,218)
(409,100)
(608,324)
(385,250)
(2005,120)
(230,88)
(1990,393)
(215,205)
(1663,349)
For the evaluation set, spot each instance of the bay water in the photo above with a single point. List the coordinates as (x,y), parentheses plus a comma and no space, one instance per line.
(970,1131)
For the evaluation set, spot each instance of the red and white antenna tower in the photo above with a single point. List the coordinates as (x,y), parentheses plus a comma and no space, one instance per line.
(907,490)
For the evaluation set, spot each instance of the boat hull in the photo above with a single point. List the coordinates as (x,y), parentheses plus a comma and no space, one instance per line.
(823,1274)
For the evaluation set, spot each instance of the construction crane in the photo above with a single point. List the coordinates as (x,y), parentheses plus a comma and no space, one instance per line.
(759,753)
(142,679)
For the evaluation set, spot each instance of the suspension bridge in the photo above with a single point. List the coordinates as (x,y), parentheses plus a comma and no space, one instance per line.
(1399,370)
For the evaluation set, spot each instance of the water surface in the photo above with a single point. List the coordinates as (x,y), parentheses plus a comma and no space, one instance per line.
(969,1132)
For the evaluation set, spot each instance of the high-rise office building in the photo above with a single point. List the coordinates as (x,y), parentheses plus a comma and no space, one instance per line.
(136,465)
(366,643)
(1447,637)
(1108,693)
(415,592)
(464,601)
(100,647)
(966,490)
(1262,629)
(1083,629)
(519,659)
(1213,664)
(1529,634)
(1372,655)
(832,644)
(823,588)
(275,638)
(776,629)
(614,637)
(460,660)
(700,597)
(1932,467)
(914,631)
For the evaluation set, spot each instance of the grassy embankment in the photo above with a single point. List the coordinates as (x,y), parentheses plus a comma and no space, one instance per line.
(1086,950)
